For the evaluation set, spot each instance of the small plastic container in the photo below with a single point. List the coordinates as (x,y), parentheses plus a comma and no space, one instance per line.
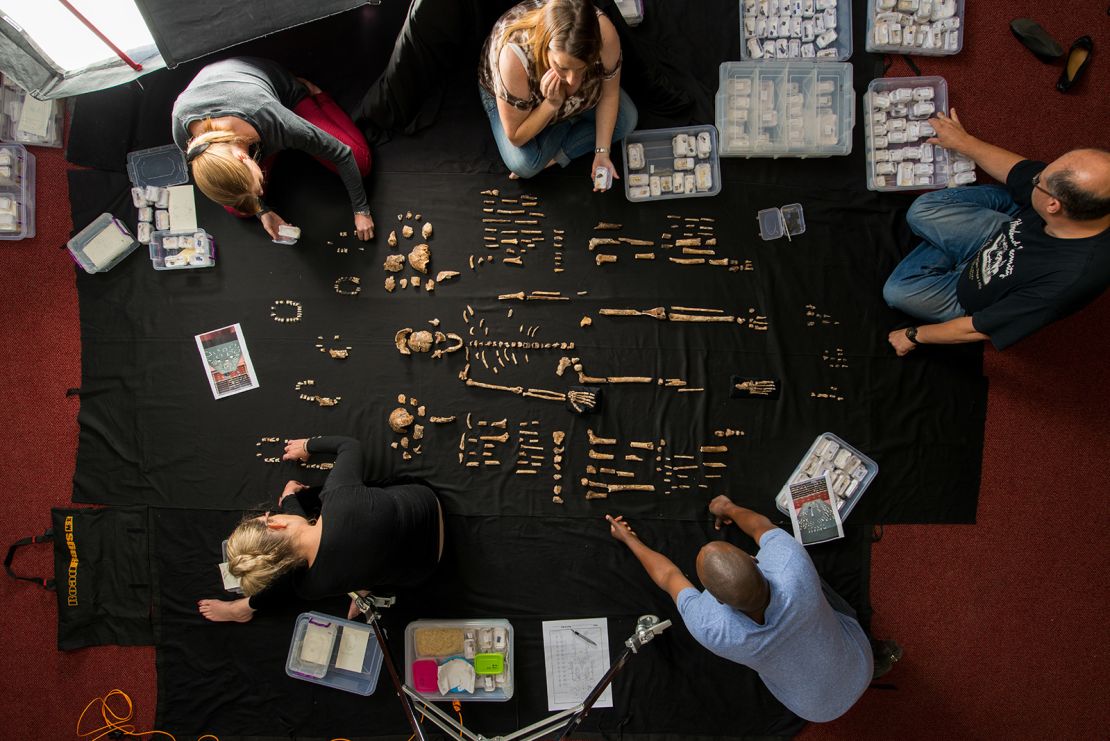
(850,471)
(419,674)
(785,109)
(774,223)
(886,153)
(932,36)
(12,101)
(322,643)
(17,192)
(797,33)
(182,250)
(656,153)
(632,10)
(101,245)
(159,166)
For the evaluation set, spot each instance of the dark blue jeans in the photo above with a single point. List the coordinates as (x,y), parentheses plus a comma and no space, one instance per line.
(954,223)
(562,142)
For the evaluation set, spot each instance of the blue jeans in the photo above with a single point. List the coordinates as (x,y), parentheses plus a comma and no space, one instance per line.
(955,223)
(562,142)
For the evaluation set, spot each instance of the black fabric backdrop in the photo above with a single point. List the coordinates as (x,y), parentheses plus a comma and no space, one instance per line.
(151,433)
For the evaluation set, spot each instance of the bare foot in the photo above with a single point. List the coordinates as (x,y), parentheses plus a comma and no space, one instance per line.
(222,611)
(514,176)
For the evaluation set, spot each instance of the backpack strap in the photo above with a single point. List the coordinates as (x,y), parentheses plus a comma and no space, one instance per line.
(46,537)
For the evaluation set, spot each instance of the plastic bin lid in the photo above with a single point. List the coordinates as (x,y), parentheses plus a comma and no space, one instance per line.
(770,224)
(159,166)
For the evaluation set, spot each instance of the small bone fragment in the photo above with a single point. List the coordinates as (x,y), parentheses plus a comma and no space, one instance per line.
(714,464)
(629,379)
(392,240)
(404,283)
(719,263)
(500,424)
(558,436)
(585,322)
(700,318)
(417,432)
(430,285)
(395,263)
(602,258)
(595,440)
(401,340)
(414,281)
(696,251)
(443,275)
(604,225)
(441,420)
(690,242)
(426,230)
(492,462)
(637,242)
(713,448)
(511,296)
(687,260)
(629,487)
(491,192)
(420,411)
(597,495)
(390,283)
(690,390)
(406,231)
(633,458)
(642,445)
(473,464)
(496,221)
(601,456)
(645,255)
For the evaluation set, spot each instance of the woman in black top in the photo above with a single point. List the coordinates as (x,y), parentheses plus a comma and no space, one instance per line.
(364,537)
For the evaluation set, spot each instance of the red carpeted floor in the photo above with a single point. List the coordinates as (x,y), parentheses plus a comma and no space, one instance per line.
(1002,622)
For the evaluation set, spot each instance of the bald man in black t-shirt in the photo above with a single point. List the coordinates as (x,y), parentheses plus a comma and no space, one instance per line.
(998,263)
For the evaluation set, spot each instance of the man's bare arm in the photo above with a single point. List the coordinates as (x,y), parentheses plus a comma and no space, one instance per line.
(996,161)
(952,332)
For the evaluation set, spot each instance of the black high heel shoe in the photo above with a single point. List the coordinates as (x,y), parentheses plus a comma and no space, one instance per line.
(1079,56)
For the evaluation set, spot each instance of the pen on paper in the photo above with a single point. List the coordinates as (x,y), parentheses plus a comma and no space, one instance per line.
(584,638)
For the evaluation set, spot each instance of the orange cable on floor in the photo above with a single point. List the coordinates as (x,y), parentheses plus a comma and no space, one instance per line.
(116,721)
(457,707)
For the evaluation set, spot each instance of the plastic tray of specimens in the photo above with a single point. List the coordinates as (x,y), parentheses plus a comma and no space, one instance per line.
(17,192)
(922,27)
(101,245)
(185,250)
(850,472)
(785,109)
(28,120)
(816,30)
(466,660)
(632,10)
(897,128)
(338,653)
(671,163)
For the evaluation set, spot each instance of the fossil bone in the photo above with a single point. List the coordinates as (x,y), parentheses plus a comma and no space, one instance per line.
(441,420)
(637,242)
(401,340)
(700,318)
(628,379)
(420,341)
(604,225)
(419,257)
(603,258)
(713,448)
(426,230)
(642,445)
(400,419)
(406,231)
(598,241)
(518,390)
(645,256)
(687,260)
(502,438)
(392,240)
(394,263)
(601,456)
(390,283)
(657,313)
(691,242)
(595,440)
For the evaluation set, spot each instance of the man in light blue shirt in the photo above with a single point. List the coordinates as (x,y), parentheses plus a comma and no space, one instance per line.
(768,613)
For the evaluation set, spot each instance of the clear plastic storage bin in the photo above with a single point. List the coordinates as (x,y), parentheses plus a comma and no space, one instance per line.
(811,30)
(785,109)
(431,644)
(656,170)
(896,114)
(158,166)
(632,10)
(850,472)
(17,192)
(931,28)
(42,127)
(182,250)
(338,653)
(101,245)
